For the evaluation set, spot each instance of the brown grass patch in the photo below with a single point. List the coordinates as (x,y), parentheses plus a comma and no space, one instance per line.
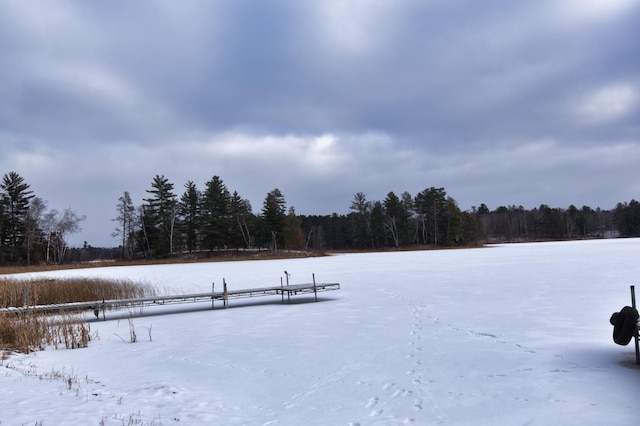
(26,332)
(47,291)
(30,332)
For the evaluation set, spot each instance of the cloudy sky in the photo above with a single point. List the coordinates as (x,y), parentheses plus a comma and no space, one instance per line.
(499,102)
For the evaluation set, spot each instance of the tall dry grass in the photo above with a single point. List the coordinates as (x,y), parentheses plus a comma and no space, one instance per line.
(26,332)
(47,291)
(30,332)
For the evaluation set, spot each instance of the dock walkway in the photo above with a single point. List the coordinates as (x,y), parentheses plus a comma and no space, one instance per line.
(224,296)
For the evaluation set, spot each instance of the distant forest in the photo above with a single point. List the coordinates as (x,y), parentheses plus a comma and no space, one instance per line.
(216,221)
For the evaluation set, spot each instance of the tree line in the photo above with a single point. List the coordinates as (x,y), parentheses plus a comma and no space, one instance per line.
(209,219)
(216,219)
(167,223)
(432,218)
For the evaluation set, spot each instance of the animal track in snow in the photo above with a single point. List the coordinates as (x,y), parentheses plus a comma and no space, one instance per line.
(417,404)
(396,391)
(375,413)
(372,402)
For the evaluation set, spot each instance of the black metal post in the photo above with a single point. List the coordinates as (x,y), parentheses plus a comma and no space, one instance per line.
(282,289)
(315,291)
(226,294)
(635,336)
(288,292)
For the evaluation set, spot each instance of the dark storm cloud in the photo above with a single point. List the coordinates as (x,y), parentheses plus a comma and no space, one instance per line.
(498,102)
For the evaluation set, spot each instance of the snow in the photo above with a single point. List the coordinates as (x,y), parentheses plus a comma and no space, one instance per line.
(508,334)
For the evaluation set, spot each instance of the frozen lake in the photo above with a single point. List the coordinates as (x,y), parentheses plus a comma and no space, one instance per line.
(509,334)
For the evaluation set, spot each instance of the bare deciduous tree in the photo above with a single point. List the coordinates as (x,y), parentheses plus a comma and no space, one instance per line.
(57,227)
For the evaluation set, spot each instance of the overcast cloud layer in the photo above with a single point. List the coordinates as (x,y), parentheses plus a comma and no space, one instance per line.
(499,102)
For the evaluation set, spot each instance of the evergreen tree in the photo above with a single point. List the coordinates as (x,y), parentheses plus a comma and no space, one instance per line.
(377,224)
(454,223)
(215,211)
(361,220)
(627,218)
(571,219)
(429,205)
(159,217)
(313,229)
(189,210)
(585,221)
(550,223)
(14,208)
(395,218)
(293,236)
(273,219)
(473,227)
(337,232)
(406,234)
(241,212)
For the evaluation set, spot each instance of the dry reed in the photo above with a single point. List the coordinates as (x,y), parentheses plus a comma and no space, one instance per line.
(47,291)
(26,332)
(30,332)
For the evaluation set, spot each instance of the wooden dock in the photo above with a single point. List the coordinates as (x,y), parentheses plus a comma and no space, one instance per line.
(222,296)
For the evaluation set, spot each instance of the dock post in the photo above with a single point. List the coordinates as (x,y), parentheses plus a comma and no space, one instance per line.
(635,335)
(282,290)
(315,292)
(225,293)
(104,307)
(96,308)
(25,295)
(288,292)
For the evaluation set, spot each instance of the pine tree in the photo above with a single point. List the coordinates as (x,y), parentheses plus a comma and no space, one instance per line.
(393,213)
(361,209)
(377,224)
(241,212)
(454,223)
(189,209)
(159,217)
(14,208)
(274,219)
(396,213)
(430,205)
(293,236)
(215,213)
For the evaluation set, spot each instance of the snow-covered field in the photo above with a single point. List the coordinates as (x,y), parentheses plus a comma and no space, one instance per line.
(511,334)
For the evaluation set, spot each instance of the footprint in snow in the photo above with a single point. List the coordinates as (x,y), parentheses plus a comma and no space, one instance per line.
(372,402)
(401,392)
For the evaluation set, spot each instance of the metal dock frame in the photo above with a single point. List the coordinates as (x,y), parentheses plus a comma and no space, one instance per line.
(224,296)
